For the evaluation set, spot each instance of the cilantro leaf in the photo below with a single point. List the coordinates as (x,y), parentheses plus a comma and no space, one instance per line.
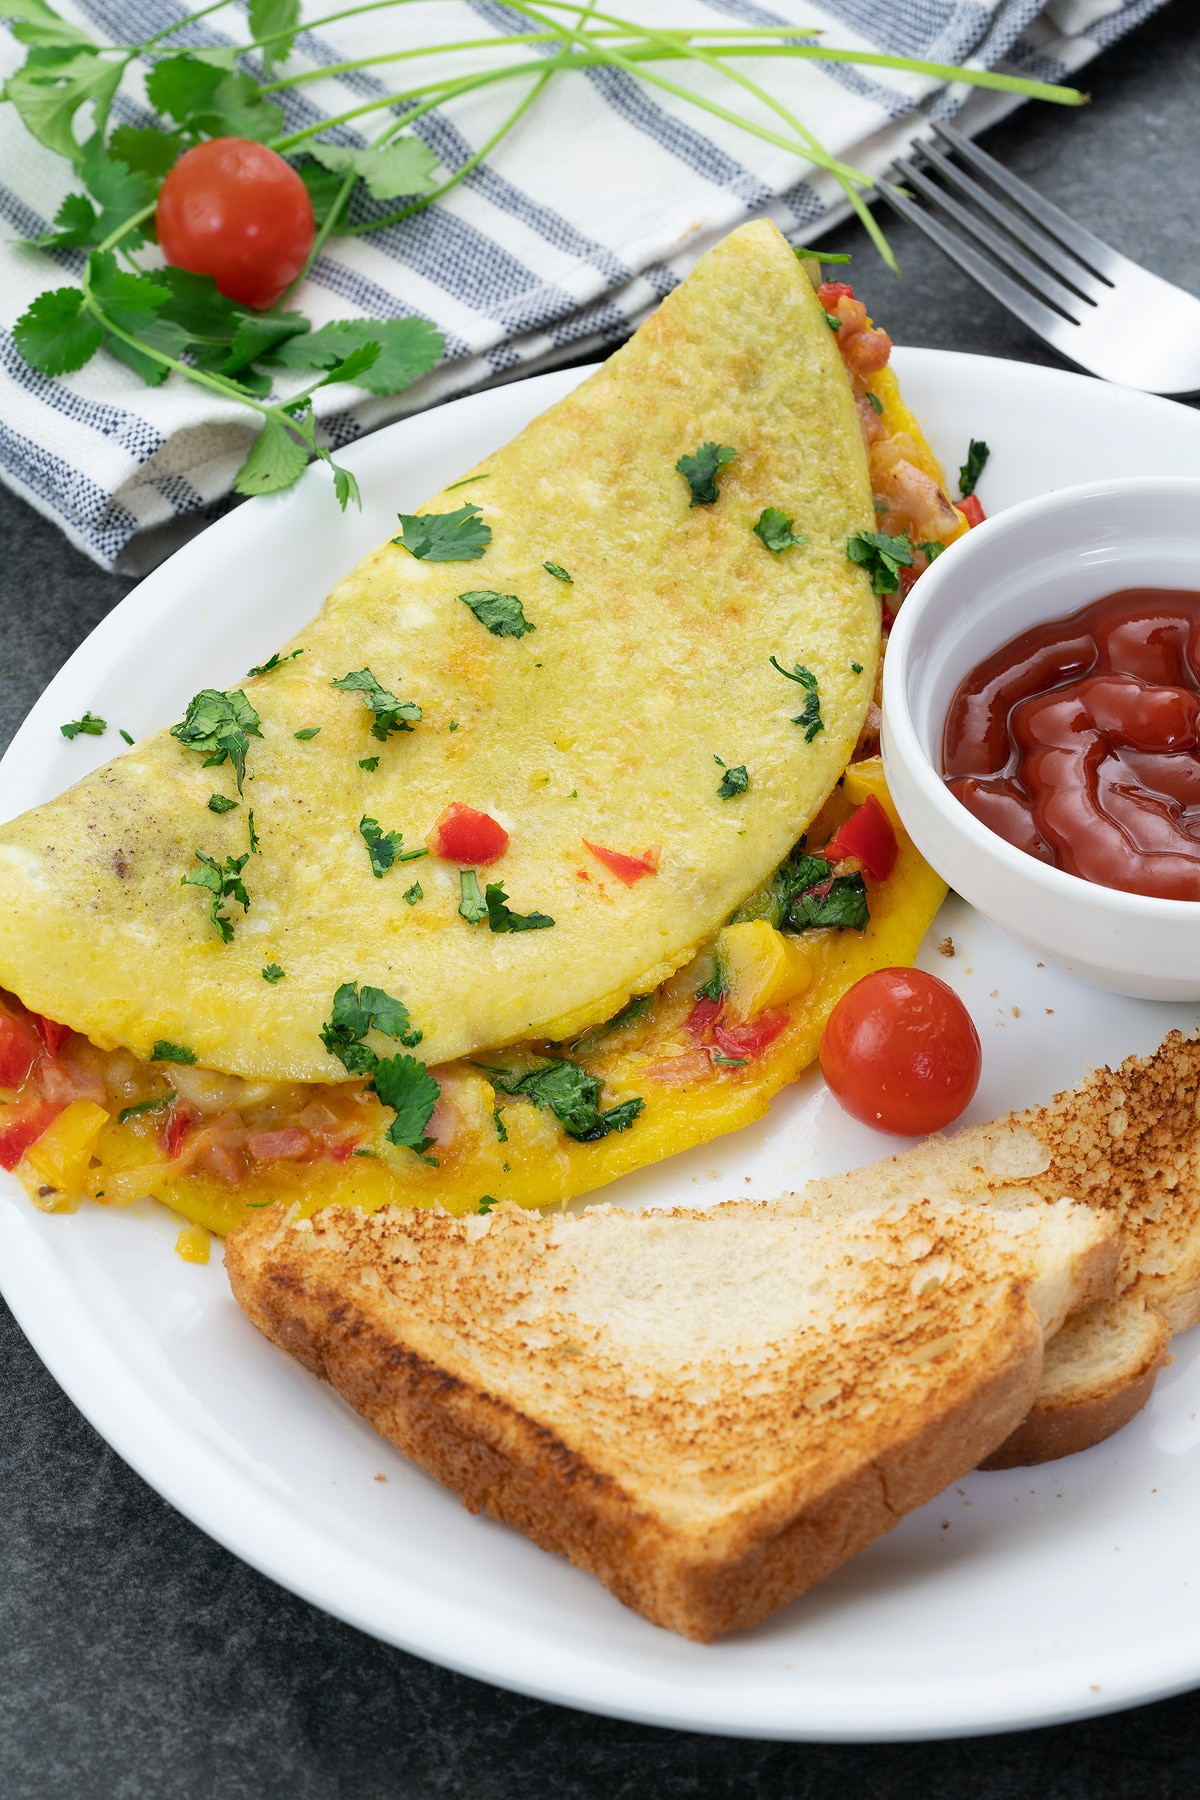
(89,725)
(310,731)
(410,1090)
(840,902)
(390,714)
(774,528)
(196,303)
(56,334)
(972,469)
(502,918)
(251,833)
(324,190)
(875,402)
(636,1009)
(932,549)
(275,461)
(128,299)
(414,893)
(810,720)
(219,804)
(572,1095)
(120,190)
(221,881)
(355,1012)
(75,221)
(273,973)
(701,470)
(269,19)
(351,367)
(796,873)
(369,763)
(408,348)
(256,337)
(52,85)
(881,556)
(146,151)
(274,661)
(445,537)
(385,847)
(389,170)
(716,987)
(41,26)
(157,1103)
(220,725)
(202,96)
(174,1053)
(734,781)
(503,614)
(486,1204)
(471,905)
(558,572)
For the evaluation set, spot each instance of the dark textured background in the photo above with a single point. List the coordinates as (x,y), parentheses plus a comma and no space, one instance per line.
(138,1659)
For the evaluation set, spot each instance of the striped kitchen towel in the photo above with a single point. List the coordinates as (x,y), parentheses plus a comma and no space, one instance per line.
(587,214)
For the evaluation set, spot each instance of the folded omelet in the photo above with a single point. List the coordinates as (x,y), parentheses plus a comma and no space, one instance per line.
(529,796)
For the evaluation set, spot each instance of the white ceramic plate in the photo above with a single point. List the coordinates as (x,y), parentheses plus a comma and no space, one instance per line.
(1016,1599)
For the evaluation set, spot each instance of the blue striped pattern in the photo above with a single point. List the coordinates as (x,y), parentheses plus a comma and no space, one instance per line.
(557,245)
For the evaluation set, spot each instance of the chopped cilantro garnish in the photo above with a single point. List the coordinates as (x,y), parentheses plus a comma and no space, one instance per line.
(369,763)
(881,556)
(221,881)
(390,714)
(273,662)
(385,847)
(729,1062)
(932,549)
(715,988)
(310,731)
(503,614)
(841,902)
(774,528)
(502,918)
(89,726)
(471,905)
(637,1009)
(173,1053)
(125,734)
(857,668)
(159,1103)
(219,725)
(875,401)
(218,803)
(701,470)
(252,833)
(273,973)
(572,1095)
(834,324)
(445,537)
(357,1011)
(734,781)
(498,1122)
(410,1090)
(810,720)
(972,469)
(453,725)
(486,1203)
(557,570)
(414,893)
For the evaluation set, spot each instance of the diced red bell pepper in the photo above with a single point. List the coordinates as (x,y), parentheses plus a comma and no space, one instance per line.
(971,510)
(830,292)
(463,835)
(22,1124)
(627,868)
(53,1035)
(745,1042)
(703,1017)
(868,835)
(20,1047)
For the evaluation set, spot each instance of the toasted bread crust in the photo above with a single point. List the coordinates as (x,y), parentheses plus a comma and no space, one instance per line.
(327,1291)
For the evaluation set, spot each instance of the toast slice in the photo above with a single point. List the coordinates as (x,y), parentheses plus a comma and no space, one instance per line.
(707,1410)
(1098,1372)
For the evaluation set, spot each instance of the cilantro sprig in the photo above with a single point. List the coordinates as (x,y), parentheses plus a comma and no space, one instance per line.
(809,719)
(700,471)
(881,556)
(776,531)
(503,614)
(385,848)
(567,1090)
(459,536)
(88,726)
(968,475)
(221,882)
(219,725)
(390,713)
(401,1082)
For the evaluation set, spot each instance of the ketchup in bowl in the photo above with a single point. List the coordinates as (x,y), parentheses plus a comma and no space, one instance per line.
(1079,742)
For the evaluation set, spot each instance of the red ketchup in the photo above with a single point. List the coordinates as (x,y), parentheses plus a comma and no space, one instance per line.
(1079,742)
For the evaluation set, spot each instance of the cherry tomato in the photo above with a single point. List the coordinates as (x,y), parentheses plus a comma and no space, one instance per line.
(235,210)
(868,835)
(19,1048)
(463,835)
(901,1053)
(626,867)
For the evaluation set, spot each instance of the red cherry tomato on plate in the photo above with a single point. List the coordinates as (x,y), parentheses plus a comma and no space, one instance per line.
(901,1052)
(461,834)
(235,210)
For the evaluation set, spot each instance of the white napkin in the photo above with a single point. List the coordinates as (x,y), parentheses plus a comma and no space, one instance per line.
(590,211)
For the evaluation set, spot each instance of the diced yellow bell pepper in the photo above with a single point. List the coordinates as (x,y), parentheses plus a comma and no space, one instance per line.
(192,1244)
(59,1159)
(762,968)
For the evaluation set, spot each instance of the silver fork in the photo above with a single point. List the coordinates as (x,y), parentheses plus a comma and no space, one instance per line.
(1095,306)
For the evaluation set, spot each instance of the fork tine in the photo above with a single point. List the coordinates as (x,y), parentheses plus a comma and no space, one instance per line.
(1005,253)
(1039,317)
(1092,250)
(1067,265)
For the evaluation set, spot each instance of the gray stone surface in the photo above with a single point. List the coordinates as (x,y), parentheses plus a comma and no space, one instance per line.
(138,1659)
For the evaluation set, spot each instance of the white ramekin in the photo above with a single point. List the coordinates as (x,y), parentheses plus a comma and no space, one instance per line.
(1038,561)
